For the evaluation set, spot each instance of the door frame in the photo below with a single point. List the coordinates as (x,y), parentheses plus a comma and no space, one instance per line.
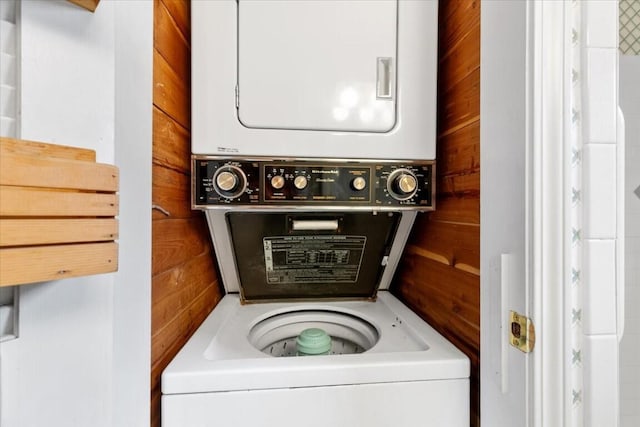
(548,223)
(524,114)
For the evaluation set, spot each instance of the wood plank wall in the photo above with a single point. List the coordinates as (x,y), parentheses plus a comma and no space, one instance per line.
(185,281)
(439,276)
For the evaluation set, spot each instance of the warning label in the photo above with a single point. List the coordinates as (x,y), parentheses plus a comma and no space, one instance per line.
(305,259)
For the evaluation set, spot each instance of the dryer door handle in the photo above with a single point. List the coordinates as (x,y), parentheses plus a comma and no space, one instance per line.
(384,78)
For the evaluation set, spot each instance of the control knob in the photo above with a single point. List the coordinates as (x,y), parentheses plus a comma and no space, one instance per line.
(300,182)
(229,181)
(402,184)
(277,182)
(359,183)
(226,181)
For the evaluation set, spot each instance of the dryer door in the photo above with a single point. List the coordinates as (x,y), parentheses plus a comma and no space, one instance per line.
(317,65)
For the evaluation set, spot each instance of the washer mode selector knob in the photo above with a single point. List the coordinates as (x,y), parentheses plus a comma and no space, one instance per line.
(277,182)
(300,182)
(402,184)
(359,183)
(229,181)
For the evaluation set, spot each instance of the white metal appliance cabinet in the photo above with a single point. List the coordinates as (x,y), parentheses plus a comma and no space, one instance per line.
(315,79)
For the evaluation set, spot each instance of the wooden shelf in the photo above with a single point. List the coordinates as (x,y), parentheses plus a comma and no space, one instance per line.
(90,5)
(58,211)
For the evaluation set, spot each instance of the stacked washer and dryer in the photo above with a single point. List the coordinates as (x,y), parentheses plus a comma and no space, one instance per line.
(313,139)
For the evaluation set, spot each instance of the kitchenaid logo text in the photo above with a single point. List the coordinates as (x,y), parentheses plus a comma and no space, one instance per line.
(332,171)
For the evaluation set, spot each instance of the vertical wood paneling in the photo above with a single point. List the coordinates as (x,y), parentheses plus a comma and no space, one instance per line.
(171,192)
(439,274)
(185,284)
(170,94)
(171,143)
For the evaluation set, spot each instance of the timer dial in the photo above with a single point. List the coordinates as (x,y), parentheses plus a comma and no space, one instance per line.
(402,184)
(229,181)
(407,183)
(226,181)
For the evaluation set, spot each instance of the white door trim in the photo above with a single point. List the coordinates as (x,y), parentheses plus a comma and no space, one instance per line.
(547,224)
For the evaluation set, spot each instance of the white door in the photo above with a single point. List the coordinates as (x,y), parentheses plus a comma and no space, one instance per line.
(551,212)
(317,65)
(504,203)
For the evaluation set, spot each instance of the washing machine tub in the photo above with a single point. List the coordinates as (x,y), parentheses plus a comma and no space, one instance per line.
(224,375)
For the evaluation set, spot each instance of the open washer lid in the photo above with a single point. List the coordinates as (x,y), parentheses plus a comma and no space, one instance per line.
(310,255)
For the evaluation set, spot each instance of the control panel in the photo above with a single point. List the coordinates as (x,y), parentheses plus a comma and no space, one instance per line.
(220,182)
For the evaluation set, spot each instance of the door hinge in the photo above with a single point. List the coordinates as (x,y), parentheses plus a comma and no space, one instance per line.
(522,334)
(237,97)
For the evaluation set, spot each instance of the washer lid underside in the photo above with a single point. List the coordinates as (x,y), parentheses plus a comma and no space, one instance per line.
(277,258)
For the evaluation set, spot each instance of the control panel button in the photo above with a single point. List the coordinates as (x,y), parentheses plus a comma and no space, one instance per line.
(359,183)
(277,182)
(300,182)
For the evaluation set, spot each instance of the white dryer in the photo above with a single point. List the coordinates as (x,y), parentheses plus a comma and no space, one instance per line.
(345,79)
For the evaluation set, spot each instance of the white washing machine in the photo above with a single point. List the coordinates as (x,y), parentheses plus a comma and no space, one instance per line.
(291,271)
(387,368)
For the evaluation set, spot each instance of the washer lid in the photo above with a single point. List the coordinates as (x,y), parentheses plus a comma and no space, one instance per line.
(310,255)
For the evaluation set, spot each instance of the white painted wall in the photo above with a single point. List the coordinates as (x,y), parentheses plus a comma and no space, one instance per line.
(82,358)
(629,86)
